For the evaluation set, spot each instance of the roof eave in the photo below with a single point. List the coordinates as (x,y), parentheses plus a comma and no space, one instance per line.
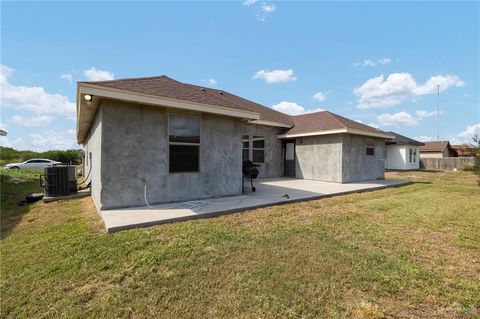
(338,131)
(270,123)
(84,119)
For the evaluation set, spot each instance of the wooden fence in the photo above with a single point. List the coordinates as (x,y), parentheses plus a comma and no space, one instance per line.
(446,163)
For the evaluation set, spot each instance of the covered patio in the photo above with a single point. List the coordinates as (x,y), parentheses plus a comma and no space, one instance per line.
(269,192)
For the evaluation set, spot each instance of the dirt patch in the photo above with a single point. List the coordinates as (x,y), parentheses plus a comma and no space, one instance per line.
(90,212)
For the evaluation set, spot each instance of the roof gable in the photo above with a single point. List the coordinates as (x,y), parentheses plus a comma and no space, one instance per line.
(326,121)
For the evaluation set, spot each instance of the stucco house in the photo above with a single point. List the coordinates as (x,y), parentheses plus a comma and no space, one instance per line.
(402,153)
(188,142)
(437,149)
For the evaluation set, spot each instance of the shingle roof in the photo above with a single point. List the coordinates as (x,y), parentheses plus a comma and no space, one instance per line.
(163,86)
(403,140)
(326,121)
(266,113)
(437,146)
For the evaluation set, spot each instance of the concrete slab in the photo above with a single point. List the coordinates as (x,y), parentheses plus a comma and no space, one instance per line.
(269,192)
(81,193)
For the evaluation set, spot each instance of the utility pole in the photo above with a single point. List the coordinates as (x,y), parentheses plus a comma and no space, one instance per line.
(438,112)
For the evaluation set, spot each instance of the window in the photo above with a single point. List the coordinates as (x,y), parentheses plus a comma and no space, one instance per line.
(258,148)
(184,143)
(246,148)
(412,155)
(370,151)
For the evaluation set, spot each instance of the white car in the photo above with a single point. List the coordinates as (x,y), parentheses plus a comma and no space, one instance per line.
(34,163)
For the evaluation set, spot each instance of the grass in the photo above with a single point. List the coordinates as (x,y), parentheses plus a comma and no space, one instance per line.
(408,252)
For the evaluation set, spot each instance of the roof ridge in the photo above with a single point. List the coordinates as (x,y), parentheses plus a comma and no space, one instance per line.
(132,79)
(335,116)
(206,90)
(222,96)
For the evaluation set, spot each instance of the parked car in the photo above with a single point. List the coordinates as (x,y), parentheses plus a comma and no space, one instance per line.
(34,163)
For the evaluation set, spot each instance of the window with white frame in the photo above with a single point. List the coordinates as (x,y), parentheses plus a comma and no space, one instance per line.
(412,155)
(258,149)
(184,143)
(257,146)
(246,148)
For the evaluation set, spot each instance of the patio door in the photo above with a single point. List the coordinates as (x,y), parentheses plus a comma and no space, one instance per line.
(289,159)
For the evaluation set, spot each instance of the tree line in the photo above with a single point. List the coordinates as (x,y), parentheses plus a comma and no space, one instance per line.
(8,154)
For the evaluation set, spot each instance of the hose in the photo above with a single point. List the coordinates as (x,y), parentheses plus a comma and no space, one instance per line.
(145,194)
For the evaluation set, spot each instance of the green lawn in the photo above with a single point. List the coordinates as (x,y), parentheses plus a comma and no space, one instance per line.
(408,252)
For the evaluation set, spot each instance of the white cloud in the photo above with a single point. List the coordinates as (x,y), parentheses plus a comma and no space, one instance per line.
(424,114)
(49,140)
(404,118)
(264,10)
(320,96)
(384,61)
(466,136)
(210,82)
(378,92)
(53,140)
(275,76)
(67,77)
(32,121)
(33,99)
(18,143)
(248,3)
(423,138)
(3,126)
(267,7)
(397,119)
(93,74)
(293,108)
(368,62)
(374,125)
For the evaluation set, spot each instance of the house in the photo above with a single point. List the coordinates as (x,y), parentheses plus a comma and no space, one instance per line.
(402,153)
(186,142)
(462,150)
(437,149)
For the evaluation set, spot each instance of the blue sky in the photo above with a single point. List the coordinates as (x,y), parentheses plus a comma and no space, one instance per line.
(378,63)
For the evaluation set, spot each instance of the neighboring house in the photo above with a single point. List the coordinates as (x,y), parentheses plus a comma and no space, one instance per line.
(437,149)
(462,150)
(187,142)
(402,152)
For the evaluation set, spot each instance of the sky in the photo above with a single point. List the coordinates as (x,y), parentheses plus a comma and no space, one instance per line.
(378,63)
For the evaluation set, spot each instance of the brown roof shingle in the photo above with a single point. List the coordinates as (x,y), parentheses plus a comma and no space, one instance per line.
(436,146)
(163,86)
(326,121)
(166,87)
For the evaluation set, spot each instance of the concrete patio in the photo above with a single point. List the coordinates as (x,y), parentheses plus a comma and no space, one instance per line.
(269,192)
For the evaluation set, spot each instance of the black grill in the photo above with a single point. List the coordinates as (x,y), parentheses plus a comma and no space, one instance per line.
(250,171)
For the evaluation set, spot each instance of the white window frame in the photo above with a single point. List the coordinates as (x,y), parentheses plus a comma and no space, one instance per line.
(412,155)
(251,148)
(185,144)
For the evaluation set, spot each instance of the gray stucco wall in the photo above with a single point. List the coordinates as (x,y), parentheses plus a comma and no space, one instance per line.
(135,147)
(357,166)
(319,158)
(93,158)
(273,165)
